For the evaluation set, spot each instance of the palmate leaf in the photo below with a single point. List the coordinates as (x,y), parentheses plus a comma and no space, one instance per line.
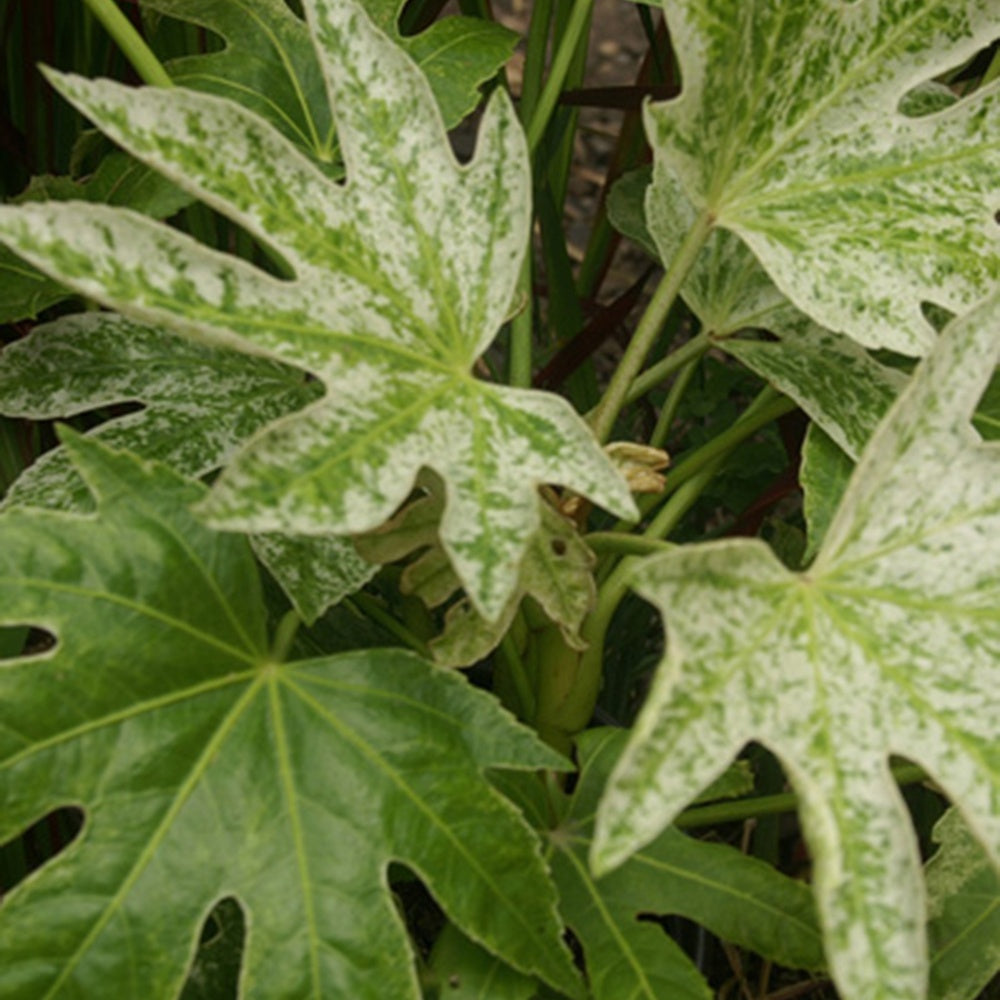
(269,64)
(789,132)
(738,898)
(200,403)
(117,180)
(888,644)
(402,277)
(207,769)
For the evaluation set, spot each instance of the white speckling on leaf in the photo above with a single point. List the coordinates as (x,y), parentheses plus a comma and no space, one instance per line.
(888,645)
(789,130)
(401,278)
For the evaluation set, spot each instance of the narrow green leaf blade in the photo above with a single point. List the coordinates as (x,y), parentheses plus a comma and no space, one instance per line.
(205,769)
(889,644)
(789,131)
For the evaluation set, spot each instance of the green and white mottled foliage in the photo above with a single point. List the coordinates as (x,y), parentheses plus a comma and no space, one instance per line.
(207,768)
(790,133)
(830,376)
(200,404)
(402,277)
(888,644)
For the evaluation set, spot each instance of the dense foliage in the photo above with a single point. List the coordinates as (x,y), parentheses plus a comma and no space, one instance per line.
(329,637)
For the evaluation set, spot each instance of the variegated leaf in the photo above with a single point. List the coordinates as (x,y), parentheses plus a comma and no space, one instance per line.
(789,132)
(830,376)
(118,180)
(888,644)
(402,277)
(200,403)
(555,572)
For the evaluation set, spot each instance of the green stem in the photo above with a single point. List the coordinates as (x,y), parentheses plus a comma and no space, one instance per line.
(680,502)
(684,485)
(372,609)
(542,111)
(284,634)
(629,545)
(604,415)
(522,329)
(662,370)
(752,420)
(765,805)
(668,413)
(132,44)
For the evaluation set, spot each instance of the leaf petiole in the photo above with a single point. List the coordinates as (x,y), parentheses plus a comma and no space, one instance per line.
(603,417)
(131,43)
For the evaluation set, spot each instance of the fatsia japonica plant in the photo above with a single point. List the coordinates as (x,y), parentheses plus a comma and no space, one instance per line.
(329,638)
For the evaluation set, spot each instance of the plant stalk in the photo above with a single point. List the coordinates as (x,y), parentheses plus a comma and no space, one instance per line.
(690,351)
(603,417)
(765,805)
(131,43)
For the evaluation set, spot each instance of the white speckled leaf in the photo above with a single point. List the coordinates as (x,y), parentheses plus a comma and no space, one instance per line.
(963,904)
(200,404)
(789,131)
(832,378)
(206,769)
(403,276)
(889,644)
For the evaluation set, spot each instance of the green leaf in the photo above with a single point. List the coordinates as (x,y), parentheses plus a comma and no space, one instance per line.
(206,769)
(200,403)
(963,902)
(888,644)
(789,132)
(270,66)
(403,276)
(466,971)
(556,571)
(737,897)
